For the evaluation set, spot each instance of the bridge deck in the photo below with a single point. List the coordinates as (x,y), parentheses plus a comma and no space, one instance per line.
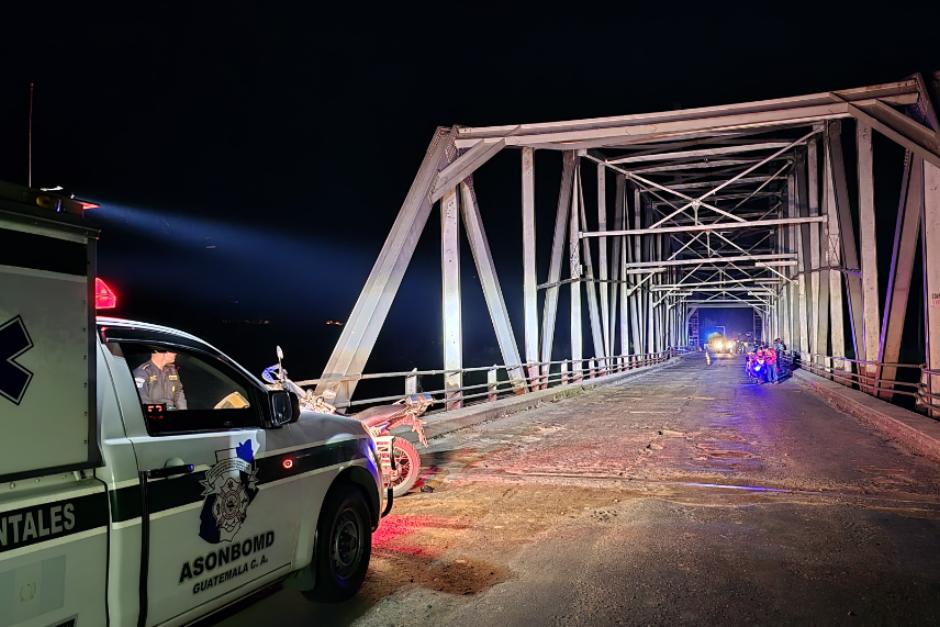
(685,496)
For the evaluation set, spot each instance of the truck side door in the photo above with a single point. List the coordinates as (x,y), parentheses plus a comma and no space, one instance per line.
(207,530)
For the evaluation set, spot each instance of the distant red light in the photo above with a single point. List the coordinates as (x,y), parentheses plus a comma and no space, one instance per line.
(105,297)
(288,463)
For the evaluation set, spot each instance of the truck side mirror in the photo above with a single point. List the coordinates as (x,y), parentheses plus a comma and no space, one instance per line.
(285,408)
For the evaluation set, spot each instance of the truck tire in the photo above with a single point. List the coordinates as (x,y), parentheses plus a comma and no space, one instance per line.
(344,545)
(409,465)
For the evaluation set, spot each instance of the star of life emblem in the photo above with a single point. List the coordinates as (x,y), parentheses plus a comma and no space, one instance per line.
(229,488)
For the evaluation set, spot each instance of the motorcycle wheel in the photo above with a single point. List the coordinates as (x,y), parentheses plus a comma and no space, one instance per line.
(408,466)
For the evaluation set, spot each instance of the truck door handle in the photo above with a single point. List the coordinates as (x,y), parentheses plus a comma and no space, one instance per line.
(170,471)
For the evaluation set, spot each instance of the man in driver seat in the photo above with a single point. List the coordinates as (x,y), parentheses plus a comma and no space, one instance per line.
(158,381)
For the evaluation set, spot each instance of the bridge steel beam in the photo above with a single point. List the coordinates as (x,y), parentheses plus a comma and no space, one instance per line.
(701,152)
(819,301)
(450,300)
(492,293)
(903,252)
(574,266)
(664,263)
(846,237)
(618,299)
(868,244)
(602,255)
(801,309)
(359,334)
(833,256)
(698,165)
(745,180)
(462,167)
(714,226)
(932,279)
(591,286)
(550,304)
(529,271)
(682,124)
(782,241)
(637,301)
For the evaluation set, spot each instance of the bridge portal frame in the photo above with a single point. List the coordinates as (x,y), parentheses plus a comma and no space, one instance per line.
(703,199)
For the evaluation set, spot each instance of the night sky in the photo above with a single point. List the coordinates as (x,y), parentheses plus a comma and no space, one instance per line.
(250,161)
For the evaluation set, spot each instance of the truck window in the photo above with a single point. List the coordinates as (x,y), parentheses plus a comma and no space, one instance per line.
(182,391)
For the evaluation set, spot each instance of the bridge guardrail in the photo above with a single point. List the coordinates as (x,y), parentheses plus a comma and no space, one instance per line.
(501,380)
(876,378)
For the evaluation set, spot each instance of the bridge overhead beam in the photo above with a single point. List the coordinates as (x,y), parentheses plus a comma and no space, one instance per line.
(715,226)
(700,200)
(664,263)
(702,152)
(747,180)
(697,165)
(620,130)
(831,331)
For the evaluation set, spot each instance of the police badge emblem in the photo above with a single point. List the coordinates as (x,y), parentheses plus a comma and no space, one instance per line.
(229,487)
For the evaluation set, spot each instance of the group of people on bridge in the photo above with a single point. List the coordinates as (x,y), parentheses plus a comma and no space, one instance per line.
(765,363)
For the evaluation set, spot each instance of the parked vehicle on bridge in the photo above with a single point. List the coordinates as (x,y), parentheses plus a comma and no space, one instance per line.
(721,345)
(136,493)
(402,463)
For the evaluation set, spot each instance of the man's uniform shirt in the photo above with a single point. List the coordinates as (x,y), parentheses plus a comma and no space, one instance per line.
(160,386)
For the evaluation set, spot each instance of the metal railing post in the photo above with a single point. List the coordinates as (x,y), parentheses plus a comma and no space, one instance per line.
(491,383)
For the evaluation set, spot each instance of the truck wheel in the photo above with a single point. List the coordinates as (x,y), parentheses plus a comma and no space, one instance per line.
(344,545)
(407,467)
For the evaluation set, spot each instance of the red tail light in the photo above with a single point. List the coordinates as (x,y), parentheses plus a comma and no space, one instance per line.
(105,297)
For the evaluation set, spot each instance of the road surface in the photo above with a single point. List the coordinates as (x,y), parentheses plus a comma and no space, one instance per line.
(684,496)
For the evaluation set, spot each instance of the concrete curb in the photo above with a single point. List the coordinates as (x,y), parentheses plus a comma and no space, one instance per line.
(448,422)
(915,432)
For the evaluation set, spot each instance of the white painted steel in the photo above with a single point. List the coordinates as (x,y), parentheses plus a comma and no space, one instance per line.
(574,266)
(715,226)
(602,254)
(486,270)
(358,337)
(529,270)
(932,276)
(871,319)
(450,300)
(550,305)
(903,251)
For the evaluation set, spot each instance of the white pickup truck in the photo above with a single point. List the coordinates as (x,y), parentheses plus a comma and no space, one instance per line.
(115,511)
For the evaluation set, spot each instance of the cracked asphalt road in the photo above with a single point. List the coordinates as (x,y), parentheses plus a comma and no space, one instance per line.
(682,496)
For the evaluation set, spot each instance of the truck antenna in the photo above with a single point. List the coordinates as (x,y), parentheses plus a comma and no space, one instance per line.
(29,137)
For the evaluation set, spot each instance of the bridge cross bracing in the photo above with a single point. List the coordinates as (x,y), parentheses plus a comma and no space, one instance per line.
(756,204)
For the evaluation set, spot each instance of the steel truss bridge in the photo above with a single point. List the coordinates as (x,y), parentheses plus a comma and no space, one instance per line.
(769,205)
